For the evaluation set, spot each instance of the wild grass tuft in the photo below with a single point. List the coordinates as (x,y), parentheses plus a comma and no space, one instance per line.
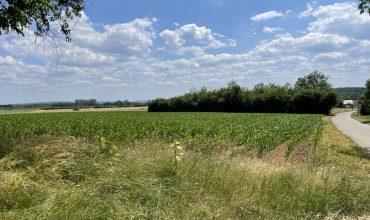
(68,178)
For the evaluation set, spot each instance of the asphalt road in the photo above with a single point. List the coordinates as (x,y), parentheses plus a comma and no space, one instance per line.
(354,129)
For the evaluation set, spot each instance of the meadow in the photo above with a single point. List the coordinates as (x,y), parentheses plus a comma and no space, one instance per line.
(139,165)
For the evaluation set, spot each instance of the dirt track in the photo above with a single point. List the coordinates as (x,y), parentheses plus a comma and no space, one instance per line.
(354,129)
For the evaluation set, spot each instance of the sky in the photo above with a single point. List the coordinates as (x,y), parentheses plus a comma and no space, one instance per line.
(142,50)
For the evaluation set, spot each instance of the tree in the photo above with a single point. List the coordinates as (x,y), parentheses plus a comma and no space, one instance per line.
(365,100)
(314,80)
(364,6)
(40,15)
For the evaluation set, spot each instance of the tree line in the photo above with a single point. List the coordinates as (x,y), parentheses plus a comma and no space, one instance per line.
(311,94)
(365,100)
(350,93)
(78,103)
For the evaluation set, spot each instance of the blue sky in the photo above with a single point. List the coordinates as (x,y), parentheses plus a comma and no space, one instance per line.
(141,50)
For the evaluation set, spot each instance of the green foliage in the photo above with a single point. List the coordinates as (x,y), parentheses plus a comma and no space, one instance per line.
(199,131)
(364,6)
(177,155)
(108,148)
(263,98)
(47,174)
(85,102)
(314,80)
(365,100)
(18,15)
(350,93)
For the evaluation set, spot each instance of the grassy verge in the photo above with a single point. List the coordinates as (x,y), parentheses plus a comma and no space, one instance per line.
(362,118)
(68,178)
(336,111)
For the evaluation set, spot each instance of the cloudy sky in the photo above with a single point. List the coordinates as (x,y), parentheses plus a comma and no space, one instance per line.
(141,49)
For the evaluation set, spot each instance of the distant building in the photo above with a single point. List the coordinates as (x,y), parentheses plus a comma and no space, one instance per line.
(350,103)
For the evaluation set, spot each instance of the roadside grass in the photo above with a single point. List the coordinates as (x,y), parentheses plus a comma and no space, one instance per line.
(47,177)
(336,111)
(337,149)
(362,118)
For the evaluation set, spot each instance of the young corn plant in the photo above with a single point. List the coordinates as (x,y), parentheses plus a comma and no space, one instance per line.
(108,148)
(177,155)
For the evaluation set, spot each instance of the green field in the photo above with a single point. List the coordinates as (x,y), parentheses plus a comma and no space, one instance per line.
(195,130)
(137,165)
(17,111)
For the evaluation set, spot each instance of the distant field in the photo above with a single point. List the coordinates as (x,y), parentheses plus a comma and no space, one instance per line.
(17,111)
(37,110)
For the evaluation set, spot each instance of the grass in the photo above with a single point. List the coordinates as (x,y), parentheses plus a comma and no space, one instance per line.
(61,177)
(17,111)
(336,111)
(362,118)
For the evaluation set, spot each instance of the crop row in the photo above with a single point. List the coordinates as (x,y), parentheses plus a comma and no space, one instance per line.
(264,131)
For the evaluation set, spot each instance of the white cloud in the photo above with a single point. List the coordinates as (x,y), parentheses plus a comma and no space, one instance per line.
(330,55)
(272,30)
(9,60)
(340,18)
(128,39)
(267,16)
(307,12)
(192,38)
(90,67)
(109,79)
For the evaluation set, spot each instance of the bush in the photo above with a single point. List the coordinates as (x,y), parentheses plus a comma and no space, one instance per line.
(262,99)
(365,100)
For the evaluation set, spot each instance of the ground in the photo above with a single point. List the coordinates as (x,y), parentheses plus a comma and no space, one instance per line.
(48,177)
(362,118)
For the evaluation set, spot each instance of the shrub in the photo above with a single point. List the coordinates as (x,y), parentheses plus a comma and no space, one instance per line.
(262,99)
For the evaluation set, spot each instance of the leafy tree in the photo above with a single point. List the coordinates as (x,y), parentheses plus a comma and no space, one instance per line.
(43,15)
(365,100)
(364,6)
(263,98)
(314,80)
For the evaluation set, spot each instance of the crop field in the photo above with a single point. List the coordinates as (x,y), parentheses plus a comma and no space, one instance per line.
(138,165)
(205,130)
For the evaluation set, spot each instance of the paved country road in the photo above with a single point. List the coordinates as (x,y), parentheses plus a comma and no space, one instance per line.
(354,129)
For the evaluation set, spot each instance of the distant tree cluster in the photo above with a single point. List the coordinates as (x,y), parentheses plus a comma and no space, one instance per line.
(350,93)
(79,103)
(365,100)
(85,102)
(307,96)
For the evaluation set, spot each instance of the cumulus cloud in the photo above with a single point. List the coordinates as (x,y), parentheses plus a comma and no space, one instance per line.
(272,30)
(340,18)
(335,44)
(198,37)
(267,16)
(129,39)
